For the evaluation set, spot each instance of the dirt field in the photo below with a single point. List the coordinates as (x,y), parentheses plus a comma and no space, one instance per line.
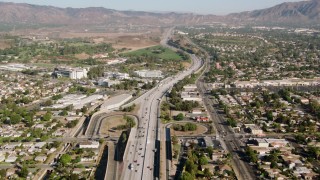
(147,37)
(82,56)
(201,129)
(5,44)
(186,64)
(174,113)
(108,126)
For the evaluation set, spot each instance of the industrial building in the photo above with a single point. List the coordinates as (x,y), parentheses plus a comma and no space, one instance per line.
(72,73)
(107,82)
(208,142)
(116,75)
(76,100)
(149,74)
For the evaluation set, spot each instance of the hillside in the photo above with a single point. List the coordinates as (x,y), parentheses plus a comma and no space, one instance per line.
(20,13)
(26,13)
(293,12)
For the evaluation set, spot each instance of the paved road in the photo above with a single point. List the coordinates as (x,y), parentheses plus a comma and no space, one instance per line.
(93,129)
(140,154)
(111,166)
(229,140)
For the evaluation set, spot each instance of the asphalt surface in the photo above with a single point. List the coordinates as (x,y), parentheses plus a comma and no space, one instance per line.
(94,124)
(141,151)
(230,141)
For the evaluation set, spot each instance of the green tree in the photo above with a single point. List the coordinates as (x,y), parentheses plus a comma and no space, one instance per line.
(252,155)
(207,173)
(24,172)
(3,173)
(84,109)
(48,103)
(209,150)
(76,160)
(63,113)
(187,176)
(269,115)
(190,127)
(191,167)
(232,122)
(15,118)
(72,124)
(203,160)
(56,97)
(124,137)
(65,159)
(179,117)
(314,152)
(74,177)
(130,121)
(47,116)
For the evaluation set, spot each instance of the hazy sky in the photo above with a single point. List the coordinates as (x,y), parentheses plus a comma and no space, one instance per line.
(196,6)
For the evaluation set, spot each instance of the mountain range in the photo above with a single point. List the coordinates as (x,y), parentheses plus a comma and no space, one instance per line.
(289,12)
(21,13)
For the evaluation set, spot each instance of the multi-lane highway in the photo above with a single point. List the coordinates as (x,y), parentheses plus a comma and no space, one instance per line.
(140,153)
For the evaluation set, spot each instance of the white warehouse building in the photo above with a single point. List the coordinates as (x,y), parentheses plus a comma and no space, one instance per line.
(149,74)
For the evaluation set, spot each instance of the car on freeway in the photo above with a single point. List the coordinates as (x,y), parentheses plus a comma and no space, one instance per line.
(131,166)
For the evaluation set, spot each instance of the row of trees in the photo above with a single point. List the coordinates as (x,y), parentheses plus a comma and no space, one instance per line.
(186,127)
(88,49)
(64,48)
(126,85)
(95,72)
(82,89)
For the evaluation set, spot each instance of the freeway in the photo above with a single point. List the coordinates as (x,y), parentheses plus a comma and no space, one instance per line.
(139,162)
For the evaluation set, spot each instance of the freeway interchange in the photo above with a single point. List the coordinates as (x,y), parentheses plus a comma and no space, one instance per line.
(141,158)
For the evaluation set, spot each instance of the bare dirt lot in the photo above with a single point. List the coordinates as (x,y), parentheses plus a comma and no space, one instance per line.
(82,56)
(186,64)
(5,44)
(109,125)
(146,37)
(201,129)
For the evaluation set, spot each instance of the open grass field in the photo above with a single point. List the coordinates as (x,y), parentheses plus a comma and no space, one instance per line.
(157,51)
(201,129)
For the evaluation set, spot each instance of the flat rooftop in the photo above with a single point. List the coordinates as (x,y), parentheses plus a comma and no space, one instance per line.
(120,99)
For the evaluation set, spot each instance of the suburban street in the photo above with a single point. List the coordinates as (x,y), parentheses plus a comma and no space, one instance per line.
(228,139)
